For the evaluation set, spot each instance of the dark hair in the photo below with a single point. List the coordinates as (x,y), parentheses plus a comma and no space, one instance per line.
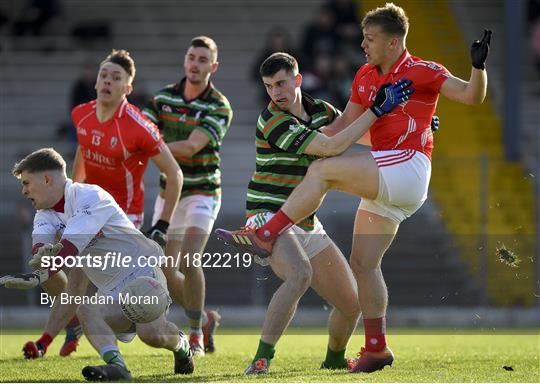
(44,159)
(391,18)
(205,42)
(123,59)
(276,62)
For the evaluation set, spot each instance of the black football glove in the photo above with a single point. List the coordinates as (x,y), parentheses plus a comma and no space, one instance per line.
(480,50)
(434,124)
(158,232)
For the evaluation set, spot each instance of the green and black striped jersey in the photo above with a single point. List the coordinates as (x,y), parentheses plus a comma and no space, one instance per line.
(281,139)
(177,117)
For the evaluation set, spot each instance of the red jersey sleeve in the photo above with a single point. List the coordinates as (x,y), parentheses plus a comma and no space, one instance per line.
(429,75)
(148,138)
(355,97)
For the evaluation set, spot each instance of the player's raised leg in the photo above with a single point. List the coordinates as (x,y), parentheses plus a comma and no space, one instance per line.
(356,174)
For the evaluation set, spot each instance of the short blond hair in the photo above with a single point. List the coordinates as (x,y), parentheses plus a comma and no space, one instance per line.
(391,18)
(44,159)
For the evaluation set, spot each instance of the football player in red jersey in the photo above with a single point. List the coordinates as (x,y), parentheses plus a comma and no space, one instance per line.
(392,179)
(115,142)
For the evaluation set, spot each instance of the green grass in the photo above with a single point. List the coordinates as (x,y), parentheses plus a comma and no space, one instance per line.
(420,357)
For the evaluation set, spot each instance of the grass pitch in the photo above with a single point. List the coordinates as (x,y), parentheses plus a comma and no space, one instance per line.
(420,357)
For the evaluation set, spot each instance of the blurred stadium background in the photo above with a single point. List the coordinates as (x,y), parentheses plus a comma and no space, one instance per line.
(442,270)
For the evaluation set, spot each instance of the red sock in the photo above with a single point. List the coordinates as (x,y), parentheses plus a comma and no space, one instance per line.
(74,321)
(278,224)
(45,340)
(375,330)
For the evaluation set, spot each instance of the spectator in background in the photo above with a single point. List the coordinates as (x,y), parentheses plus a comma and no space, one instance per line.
(339,84)
(277,40)
(320,36)
(140,97)
(35,16)
(535,43)
(316,80)
(82,91)
(346,20)
(533,18)
(347,27)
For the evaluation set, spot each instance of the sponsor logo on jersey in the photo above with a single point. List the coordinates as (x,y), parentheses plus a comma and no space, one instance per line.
(81,131)
(114,141)
(166,108)
(361,89)
(99,158)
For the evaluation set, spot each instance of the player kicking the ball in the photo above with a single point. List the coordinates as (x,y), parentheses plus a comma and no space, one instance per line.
(89,222)
(287,142)
(392,179)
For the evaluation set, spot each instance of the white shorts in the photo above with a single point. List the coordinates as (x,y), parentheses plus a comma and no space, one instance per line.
(192,211)
(403,184)
(312,242)
(154,272)
(137,219)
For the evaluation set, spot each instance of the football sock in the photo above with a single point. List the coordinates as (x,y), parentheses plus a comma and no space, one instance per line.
(194,318)
(278,224)
(375,330)
(335,360)
(111,355)
(44,341)
(73,329)
(182,348)
(265,351)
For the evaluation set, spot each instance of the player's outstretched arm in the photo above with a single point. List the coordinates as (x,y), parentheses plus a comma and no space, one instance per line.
(185,149)
(79,173)
(473,91)
(388,97)
(351,113)
(168,165)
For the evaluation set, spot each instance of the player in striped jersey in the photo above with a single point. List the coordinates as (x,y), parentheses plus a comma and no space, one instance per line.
(288,141)
(393,178)
(193,117)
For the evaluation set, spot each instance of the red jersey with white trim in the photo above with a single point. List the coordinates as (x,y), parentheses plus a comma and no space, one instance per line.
(408,126)
(116,152)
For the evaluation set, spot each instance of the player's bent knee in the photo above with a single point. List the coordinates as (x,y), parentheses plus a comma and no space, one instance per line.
(360,265)
(300,277)
(151,338)
(85,312)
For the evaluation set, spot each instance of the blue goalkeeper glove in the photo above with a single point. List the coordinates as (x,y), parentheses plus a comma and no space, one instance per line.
(390,96)
(480,50)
